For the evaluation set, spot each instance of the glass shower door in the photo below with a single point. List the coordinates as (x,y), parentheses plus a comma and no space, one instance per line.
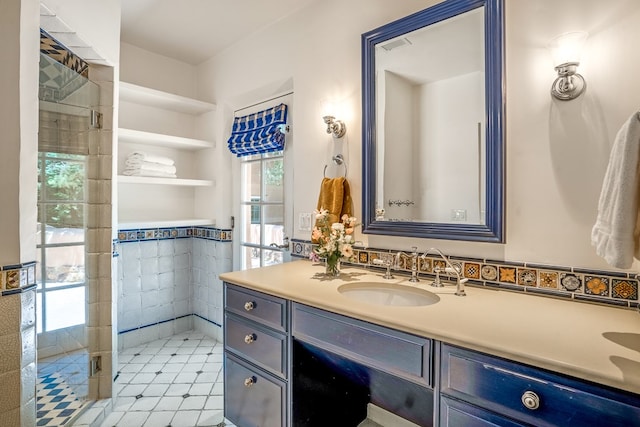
(66,127)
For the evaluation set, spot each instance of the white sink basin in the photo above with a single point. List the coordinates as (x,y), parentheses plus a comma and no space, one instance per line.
(388,294)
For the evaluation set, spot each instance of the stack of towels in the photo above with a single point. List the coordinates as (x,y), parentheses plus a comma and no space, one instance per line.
(144,164)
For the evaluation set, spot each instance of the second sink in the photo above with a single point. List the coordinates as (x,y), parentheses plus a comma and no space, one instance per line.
(388,294)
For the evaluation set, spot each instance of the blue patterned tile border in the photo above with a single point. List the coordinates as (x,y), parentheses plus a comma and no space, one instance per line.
(17,278)
(145,234)
(600,286)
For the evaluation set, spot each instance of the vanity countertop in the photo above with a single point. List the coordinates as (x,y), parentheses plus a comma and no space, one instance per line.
(588,341)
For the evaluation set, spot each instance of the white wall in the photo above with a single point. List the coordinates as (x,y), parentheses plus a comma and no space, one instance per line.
(556,152)
(449,177)
(400,134)
(144,68)
(94,21)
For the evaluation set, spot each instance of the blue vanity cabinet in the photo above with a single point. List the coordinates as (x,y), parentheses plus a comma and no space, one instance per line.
(256,347)
(481,390)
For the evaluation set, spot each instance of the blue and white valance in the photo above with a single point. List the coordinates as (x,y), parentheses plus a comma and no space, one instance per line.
(258,132)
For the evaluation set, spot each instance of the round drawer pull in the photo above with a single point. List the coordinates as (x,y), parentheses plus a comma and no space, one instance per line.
(250,338)
(530,400)
(248,382)
(249,305)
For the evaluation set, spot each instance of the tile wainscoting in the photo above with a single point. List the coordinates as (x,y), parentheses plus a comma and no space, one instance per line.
(578,284)
(168,282)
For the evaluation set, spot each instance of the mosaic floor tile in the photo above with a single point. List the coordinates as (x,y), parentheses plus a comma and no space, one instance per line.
(56,403)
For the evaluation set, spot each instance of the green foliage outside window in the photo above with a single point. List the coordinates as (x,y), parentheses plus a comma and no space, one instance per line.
(63,191)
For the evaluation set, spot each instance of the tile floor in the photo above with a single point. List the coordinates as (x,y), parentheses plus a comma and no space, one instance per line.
(176,382)
(61,387)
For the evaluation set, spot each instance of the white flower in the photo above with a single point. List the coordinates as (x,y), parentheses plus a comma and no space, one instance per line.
(337,226)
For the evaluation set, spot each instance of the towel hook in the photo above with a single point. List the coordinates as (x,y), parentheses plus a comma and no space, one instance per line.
(338,159)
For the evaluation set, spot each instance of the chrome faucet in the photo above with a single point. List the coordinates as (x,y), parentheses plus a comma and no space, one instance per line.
(387,261)
(414,263)
(449,269)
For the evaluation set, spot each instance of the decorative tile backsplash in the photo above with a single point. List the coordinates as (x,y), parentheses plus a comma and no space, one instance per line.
(608,287)
(143,234)
(17,278)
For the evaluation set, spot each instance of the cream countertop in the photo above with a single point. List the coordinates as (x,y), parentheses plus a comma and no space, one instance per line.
(593,342)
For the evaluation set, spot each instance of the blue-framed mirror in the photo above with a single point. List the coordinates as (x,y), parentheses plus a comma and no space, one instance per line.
(433,117)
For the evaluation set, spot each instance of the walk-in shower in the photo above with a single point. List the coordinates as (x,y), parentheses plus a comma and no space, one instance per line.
(67,122)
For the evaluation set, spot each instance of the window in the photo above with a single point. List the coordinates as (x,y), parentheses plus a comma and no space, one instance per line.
(262,209)
(60,273)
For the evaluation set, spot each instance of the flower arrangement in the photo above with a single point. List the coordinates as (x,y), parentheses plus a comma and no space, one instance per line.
(334,241)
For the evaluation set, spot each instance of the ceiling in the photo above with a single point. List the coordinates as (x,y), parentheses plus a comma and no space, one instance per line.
(193,31)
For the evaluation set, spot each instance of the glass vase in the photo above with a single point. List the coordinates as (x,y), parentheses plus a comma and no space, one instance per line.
(332,267)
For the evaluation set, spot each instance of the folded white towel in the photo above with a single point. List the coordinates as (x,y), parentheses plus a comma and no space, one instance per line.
(615,235)
(140,156)
(148,166)
(133,172)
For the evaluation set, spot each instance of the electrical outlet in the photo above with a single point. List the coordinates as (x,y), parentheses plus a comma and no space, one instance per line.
(458,214)
(304,221)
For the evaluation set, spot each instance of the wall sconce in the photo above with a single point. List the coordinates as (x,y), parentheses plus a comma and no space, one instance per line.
(335,127)
(566,49)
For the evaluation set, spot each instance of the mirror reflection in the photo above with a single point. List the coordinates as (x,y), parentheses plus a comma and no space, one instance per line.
(432,123)
(429,121)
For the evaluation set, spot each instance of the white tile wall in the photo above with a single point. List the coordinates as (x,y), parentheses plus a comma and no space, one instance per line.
(169,279)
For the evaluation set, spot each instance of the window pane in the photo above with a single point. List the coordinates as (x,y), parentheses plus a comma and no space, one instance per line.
(272,257)
(273,217)
(273,180)
(65,308)
(251,258)
(252,177)
(251,229)
(64,180)
(69,215)
(64,265)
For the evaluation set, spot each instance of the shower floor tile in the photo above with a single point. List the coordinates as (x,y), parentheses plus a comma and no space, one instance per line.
(174,381)
(62,387)
(56,403)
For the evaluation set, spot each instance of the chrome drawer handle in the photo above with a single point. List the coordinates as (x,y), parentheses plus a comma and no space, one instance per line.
(530,400)
(249,305)
(248,382)
(250,338)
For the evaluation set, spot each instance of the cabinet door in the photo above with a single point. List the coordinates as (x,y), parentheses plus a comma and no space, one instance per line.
(454,413)
(533,396)
(251,398)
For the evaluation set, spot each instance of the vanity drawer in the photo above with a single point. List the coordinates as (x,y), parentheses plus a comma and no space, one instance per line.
(392,351)
(257,344)
(262,308)
(454,413)
(252,398)
(531,395)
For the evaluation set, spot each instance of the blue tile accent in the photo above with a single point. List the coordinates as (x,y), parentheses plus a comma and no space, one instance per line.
(201,232)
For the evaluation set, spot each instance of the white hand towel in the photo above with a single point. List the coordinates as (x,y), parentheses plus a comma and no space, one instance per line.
(614,234)
(148,166)
(140,156)
(133,172)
